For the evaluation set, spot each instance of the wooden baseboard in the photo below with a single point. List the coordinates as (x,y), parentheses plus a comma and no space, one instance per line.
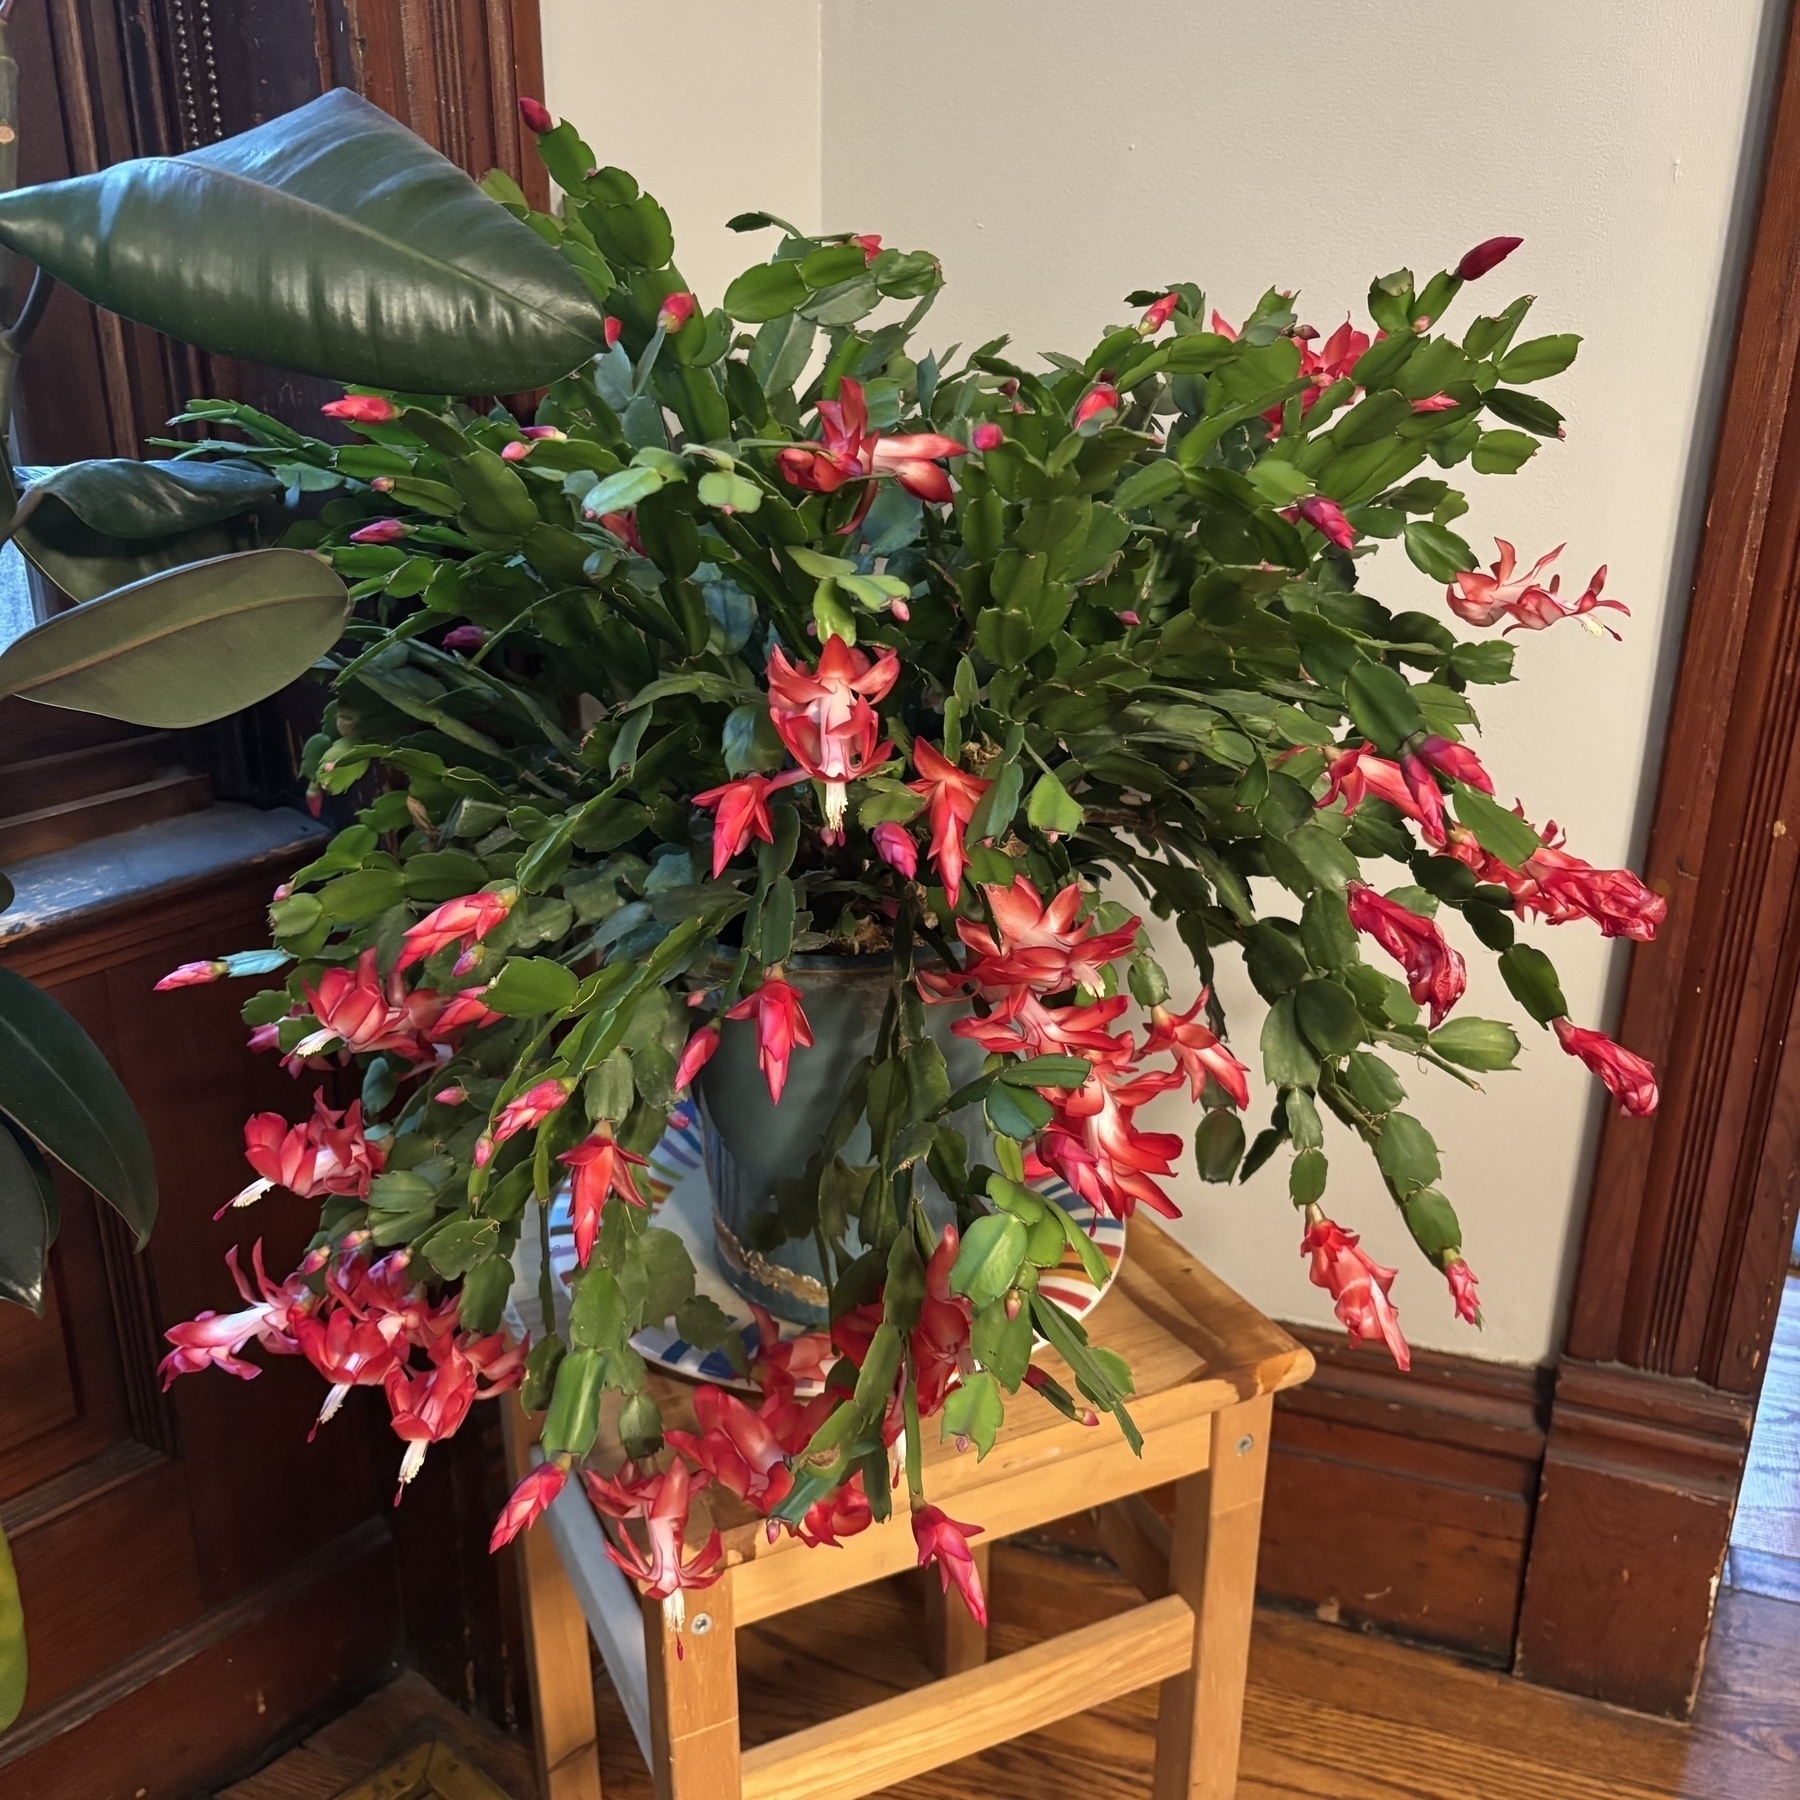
(1406,1501)
(1641,1473)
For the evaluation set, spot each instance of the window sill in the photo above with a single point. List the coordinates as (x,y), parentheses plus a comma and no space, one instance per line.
(108,874)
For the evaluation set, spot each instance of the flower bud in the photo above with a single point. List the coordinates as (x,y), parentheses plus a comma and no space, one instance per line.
(988,436)
(1488,254)
(361,409)
(535,115)
(675,312)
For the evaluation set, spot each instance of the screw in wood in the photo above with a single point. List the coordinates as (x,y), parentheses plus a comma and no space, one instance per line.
(1246,1444)
(700,1624)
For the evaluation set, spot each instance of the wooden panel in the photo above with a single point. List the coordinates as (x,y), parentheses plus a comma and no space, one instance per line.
(1640,1475)
(898,1738)
(197,1707)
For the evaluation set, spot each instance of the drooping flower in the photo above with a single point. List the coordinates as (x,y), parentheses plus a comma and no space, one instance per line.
(675,312)
(1488,254)
(1357,1283)
(781,1024)
(953,798)
(695,1055)
(327,1154)
(194,974)
(530,1500)
(601,1167)
(1334,360)
(536,115)
(943,1541)
(782,1365)
(1479,599)
(217,1340)
(826,717)
(1462,1288)
(939,1343)
(737,1449)
(361,409)
(465,921)
(895,846)
(1093,1145)
(1198,1051)
(1629,1078)
(743,813)
(1096,409)
(1359,771)
(427,1406)
(1435,973)
(846,450)
(1554,885)
(464,1011)
(666,1570)
(529,1109)
(841,1514)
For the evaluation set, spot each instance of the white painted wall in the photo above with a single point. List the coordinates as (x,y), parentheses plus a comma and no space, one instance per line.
(714,107)
(1057,154)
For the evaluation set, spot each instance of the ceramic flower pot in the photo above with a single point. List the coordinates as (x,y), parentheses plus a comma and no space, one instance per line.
(751,1145)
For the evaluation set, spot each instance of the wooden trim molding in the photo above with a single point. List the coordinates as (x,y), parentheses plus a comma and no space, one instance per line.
(1686,1242)
(1405,1501)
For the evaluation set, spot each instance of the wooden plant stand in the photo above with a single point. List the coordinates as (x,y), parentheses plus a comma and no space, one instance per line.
(1207,1366)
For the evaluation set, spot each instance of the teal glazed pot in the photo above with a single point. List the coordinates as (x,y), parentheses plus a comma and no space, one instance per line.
(750,1144)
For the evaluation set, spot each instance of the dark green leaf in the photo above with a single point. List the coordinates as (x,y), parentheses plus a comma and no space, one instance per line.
(987,1264)
(1287,1059)
(58,1087)
(1531,976)
(528,985)
(1502,452)
(330,240)
(1327,1013)
(28,1219)
(1477,1043)
(1407,1154)
(1382,704)
(1306,1177)
(766,292)
(460,1245)
(1373,1085)
(185,647)
(1499,832)
(1537,358)
(573,1421)
(1433,1223)
(1438,550)
(1218,1145)
(1526,410)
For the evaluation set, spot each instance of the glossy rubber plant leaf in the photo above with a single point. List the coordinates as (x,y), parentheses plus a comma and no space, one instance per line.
(29,1217)
(96,526)
(57,1086)
(330,240)
(12,1641)
(186,646)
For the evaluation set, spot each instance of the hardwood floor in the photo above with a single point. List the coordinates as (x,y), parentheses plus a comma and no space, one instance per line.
(1332,1714)
(1765,1534)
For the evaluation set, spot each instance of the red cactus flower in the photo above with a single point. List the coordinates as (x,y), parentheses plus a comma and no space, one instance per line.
(530,1500)
(1462,1288)
(1198,1051)
(530,1109)
(953,798)
(826,718)
(943,1541)
(781,1024)
(1096,409)
(743,813)
(1158,314)
(1532,605)
(601,1168)
(695,1055)
(465,921)
(895,846)
(1325,517)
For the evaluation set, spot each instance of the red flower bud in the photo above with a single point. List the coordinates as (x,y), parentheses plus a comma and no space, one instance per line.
(675,313)
(536,115)
(988,436)
(361,409)
(615,329)
(1488,254)
(382,531)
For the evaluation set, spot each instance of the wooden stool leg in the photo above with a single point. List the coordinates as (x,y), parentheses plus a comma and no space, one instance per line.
(556,1645)
(693,1697)
(954,1643)
(1212,1566)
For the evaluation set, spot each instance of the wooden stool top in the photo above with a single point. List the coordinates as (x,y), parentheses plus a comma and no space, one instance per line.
(1194,1347)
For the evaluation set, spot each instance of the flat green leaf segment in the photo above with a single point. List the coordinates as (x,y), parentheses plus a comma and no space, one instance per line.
(330,240)
(57,1086)
(186,646)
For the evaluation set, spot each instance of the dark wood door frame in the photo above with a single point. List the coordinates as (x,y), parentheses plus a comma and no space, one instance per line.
(1692,1212)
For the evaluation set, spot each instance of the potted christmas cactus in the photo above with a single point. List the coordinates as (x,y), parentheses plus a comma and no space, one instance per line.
(790,730)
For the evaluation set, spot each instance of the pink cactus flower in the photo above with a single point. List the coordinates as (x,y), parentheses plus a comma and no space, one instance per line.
(1197,1051)
(1462,1288)
(382,531)
(1325,517)
(895,846)
(846,450)
(361,409)
(1628,1077)
(194,974)
(465,921)
(675,312)
(528,1110)
(826,717)
(695,1055)
(666,1569)
(530,1500)
(1435,973)
(988,436)
(943,1541)
(1532,605)
(869,243)
(1357,1283)
(742,813)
